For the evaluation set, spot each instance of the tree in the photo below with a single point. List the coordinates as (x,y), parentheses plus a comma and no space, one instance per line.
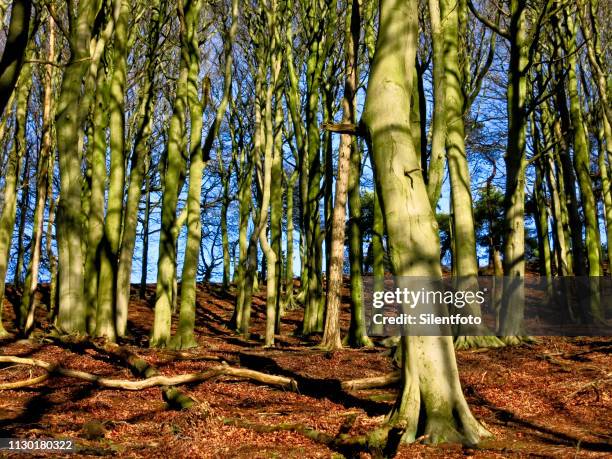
(331,333)
(430,397)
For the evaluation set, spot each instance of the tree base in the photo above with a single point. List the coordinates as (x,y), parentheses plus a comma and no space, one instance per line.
(329,347)
(3,332)
(453,423)
(517,340)
(458,426)
(183,341)
(477,342)
(357,342)
(160,342)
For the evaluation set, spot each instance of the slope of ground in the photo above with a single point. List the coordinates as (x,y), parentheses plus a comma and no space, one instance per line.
(548,399)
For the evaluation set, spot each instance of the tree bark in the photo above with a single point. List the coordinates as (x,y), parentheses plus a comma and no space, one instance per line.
(184,337)
(331,333)
(110,320)
(14,49)
(430,400)
(7,219)
(42,185)
(72,106)
(514,201)
(439,120)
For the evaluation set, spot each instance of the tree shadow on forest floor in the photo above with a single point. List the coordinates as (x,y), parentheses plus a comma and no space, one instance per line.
(545,434)
(38,406)
(315,387)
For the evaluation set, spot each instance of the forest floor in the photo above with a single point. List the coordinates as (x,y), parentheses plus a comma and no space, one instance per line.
(548,399)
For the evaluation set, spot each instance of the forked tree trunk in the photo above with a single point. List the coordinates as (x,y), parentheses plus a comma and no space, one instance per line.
(430,401)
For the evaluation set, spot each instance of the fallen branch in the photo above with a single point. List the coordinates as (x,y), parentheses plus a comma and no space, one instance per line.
(139,367)
(371,383)
(125,384)
(24,383)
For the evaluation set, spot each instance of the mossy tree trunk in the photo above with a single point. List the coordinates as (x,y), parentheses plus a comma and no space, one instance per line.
(514,200)
(72,107)
(108,316)
(430,401)
(9,208)
(582,163)
(144,126)
(174,172)
(42,185)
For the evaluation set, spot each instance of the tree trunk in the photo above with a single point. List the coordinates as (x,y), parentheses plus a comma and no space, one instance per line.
(134,189)
(42,185)
(14,49)
(184,337)
(144,266)
(331,333)
(606,192)
(7,219)
(465,263)
(95,218)
(378,256)
(175,169)
(110,320)
(72,107)
(582,164)
(23,213)
(438,123)
(430,401)
(514,203)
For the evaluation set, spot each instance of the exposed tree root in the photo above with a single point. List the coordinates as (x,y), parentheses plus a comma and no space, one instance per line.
(477,342)
(357,342)
(24,383)
(371,383)
(183,341)
(375,443)
(517,340)
(172,356)
(159,380)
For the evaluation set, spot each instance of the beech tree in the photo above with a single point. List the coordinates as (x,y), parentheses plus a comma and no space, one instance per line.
(430,394)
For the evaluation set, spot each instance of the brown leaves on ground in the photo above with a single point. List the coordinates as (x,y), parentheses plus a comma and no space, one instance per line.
(550,399)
